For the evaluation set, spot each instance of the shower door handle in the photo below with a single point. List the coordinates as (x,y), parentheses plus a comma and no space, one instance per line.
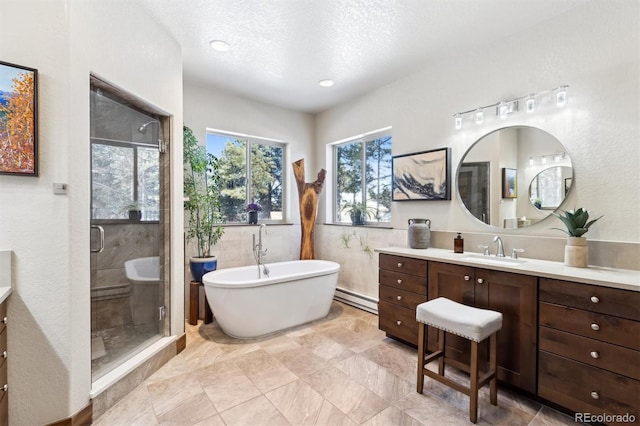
(101,230)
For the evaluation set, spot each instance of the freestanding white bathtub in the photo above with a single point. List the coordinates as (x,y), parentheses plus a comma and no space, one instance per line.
(295,292)
(143,274)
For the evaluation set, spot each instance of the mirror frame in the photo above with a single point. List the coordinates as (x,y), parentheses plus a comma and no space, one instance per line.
(493,227)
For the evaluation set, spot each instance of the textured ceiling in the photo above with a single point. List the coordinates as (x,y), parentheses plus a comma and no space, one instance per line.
(280,49)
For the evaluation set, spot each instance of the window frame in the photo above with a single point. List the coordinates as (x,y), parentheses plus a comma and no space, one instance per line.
(251,140)
(134,147)
(364,139)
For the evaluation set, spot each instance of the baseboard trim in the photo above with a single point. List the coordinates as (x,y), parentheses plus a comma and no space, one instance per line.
(357,300)
(81,418)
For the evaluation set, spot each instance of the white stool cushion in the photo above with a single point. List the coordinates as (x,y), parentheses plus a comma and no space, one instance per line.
(466,321)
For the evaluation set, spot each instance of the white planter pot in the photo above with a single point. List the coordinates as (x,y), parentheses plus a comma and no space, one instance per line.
(576,252)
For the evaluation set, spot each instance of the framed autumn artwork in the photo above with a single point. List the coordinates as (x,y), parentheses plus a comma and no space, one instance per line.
(18,120)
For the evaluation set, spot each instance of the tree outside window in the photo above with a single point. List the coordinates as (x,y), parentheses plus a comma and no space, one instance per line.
(251,171)
(363,179)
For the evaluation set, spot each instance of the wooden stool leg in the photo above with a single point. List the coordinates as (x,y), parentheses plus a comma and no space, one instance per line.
(194,302)
(493,365)
(421,342)
(473,391)
(441,345)
(208,315)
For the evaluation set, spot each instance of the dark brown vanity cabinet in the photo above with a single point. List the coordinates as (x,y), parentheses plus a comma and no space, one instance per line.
(403,286)
(589,348)
(514,295)
(4,388)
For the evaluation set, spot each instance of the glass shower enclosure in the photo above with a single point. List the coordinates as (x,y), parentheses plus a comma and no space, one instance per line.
(127,237)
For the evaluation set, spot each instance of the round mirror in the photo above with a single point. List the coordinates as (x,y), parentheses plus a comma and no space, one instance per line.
(514,177)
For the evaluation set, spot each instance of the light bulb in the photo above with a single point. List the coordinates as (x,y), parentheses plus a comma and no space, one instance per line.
(479,116)
(503,110)
(544,160)
(457,119)
(530,103)
(561,96)
(531,161)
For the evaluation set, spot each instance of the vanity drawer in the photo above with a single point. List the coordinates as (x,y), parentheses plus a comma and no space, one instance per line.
(3,315)
(593,352)
(612,301)
(402,281)
(3,347)
(606,328)
(400,297)
(585,389)
(403,264)
(398,321)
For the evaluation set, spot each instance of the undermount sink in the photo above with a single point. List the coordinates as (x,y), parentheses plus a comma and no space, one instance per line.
(494,260)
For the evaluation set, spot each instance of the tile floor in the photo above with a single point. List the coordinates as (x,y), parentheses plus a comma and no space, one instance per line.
(340,370)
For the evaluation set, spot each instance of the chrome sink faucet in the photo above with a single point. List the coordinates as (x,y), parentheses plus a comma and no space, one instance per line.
(500,252)
(258,253)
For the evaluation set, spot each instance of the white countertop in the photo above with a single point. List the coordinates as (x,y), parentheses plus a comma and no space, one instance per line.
(626,279)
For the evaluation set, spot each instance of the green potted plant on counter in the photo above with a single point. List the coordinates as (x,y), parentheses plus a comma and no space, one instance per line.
(576,252)
(202,203)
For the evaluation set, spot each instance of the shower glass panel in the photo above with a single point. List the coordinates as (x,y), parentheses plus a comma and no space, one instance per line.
(127,288)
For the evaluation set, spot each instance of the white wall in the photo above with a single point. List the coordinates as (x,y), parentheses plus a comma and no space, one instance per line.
(593,49)
(49,334)
(206,107)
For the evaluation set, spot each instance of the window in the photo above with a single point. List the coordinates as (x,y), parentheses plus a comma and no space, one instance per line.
(124,175)
(251,172)
(363,179)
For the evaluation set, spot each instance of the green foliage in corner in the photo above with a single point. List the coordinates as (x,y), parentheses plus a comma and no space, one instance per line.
(202,194)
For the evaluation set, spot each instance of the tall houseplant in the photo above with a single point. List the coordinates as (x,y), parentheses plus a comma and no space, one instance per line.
(576,252)
(202,203)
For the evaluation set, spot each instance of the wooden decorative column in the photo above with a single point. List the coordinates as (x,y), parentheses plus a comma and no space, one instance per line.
(308,198)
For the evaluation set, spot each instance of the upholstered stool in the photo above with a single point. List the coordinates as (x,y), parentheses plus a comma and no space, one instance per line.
(466,321)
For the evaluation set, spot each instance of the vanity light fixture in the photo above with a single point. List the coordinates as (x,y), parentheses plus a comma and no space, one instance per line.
(504,108)
(458,121)
(561,96)
(530,103)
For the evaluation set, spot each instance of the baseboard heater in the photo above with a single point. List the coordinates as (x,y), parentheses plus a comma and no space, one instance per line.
(357,300)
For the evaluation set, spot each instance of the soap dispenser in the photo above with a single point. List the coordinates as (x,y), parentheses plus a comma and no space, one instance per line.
(458,244)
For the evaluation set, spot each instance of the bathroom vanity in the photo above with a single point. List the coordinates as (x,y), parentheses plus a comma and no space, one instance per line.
(569,335)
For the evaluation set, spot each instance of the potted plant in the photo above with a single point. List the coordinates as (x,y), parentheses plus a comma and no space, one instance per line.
(576,252)
(135,211)
(357,212)
(202,203)
(253,210)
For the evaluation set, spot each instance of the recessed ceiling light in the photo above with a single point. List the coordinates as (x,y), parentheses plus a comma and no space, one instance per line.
(326,83)
(219,45)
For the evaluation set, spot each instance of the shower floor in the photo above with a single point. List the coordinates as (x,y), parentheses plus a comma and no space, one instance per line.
(111,346)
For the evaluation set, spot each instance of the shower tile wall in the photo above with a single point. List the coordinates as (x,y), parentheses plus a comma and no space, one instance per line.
(109,295)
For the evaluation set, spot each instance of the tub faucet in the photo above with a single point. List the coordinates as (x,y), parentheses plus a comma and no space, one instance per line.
(258,253)
(500,252)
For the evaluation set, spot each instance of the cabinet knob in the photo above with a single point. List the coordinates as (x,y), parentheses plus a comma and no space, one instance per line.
(399,297)
(467,277)
(399,281)
(4,354)
(595,327)
(480,281)
(4,320)
(400,264)
(398,322)
(594,299)
(595,354)
(595,395)
(5,387)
